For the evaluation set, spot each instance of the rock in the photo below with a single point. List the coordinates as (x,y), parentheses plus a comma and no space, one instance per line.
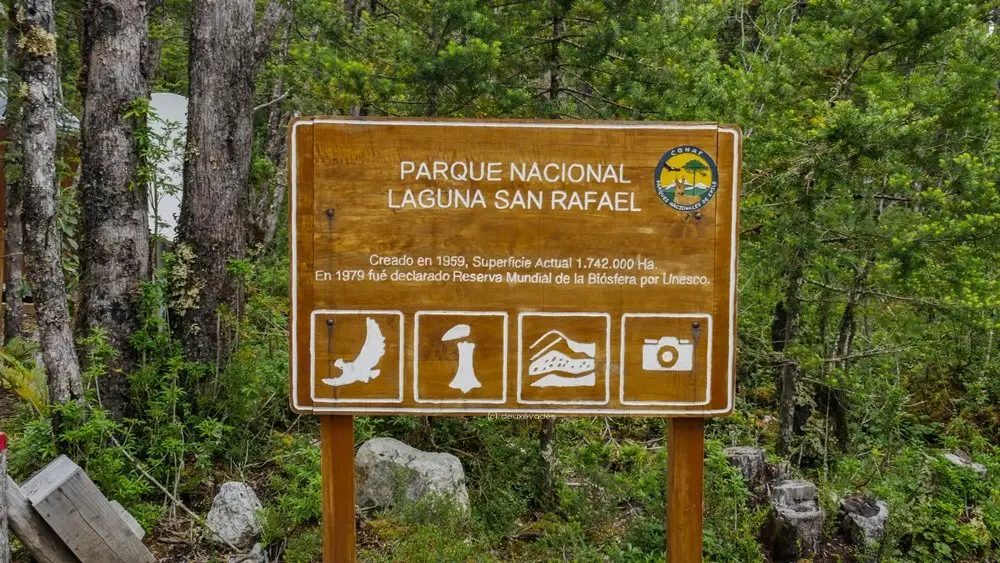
(384,466)
(256,555)
(795,524)
(962,459)
(752,463)
(233,517)
(863,519)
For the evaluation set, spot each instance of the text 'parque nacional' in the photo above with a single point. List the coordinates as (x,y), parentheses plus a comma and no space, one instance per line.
(554,174)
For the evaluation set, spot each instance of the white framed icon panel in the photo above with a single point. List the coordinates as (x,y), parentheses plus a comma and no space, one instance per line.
(622,375)
(521,363)
(416,356)
(312,353)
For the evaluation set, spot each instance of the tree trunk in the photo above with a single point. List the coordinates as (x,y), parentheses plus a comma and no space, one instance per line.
(547,451)
(36,59)
(839,405)
(14,226)
(552,59)
(115,250)
(784,330)
(225,54)
(269,198)
(13,315)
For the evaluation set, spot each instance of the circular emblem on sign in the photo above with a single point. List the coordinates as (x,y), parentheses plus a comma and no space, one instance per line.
(686,178)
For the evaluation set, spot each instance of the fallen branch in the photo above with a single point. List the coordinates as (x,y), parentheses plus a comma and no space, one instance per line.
(172,498)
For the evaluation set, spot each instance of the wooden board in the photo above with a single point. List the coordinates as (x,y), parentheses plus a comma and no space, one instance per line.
(493,267)
(35,534)
(77,511)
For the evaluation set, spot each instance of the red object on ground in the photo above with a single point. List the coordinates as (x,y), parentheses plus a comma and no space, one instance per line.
(3,441)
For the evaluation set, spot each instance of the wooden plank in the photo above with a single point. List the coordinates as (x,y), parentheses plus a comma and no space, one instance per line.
(35,534)
(337,448)
(78,512)
(129,520)
(685,489)
(42,483)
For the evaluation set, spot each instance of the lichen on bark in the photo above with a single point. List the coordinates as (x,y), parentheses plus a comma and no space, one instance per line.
(37,42)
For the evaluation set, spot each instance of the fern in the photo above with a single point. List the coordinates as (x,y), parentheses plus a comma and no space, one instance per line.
(20,374)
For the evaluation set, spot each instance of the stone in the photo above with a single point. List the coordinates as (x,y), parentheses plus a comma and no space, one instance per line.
(862,519)
(794,525)
(752,463)
(385,468)
(233,516)
(962,459)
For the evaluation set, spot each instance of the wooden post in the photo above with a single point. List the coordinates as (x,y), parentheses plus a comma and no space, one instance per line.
(337,448)
(685,489)
(4,538)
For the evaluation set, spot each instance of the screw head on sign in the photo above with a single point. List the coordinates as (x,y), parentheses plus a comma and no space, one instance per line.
(697,215)
(329,212)
(329,322)
(696,325)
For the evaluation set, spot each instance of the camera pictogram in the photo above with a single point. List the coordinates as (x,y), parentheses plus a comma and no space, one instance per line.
(668,353)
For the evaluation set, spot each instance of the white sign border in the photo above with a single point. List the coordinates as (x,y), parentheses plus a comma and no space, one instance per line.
(293,352)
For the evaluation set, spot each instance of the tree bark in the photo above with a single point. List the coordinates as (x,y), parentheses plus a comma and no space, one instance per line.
(13,314)
(839,402)
(115,250)
(226,52)
(14,226)
(269,198)
(784,330)
(36,59)
(553,63)
(547,451)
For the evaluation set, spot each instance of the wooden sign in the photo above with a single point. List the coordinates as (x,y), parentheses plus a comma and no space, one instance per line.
(504,268)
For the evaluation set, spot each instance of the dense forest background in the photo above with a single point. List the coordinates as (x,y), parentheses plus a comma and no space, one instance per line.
(869,286)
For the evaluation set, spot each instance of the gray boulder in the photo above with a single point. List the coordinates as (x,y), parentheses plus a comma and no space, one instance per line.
(863,519)
(233,516)
(752,463)
(385,468)
(962,459)
(795,524)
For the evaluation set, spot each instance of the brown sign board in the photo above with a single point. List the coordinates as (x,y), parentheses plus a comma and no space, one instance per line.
(513,268)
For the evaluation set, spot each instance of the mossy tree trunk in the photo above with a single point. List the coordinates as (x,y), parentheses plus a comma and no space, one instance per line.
(227,49)
(115,250)
(35,61)
(13,314)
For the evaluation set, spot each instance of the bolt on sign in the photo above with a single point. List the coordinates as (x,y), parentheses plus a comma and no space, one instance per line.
(504,267)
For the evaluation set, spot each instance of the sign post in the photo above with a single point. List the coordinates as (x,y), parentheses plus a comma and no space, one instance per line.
(337,451)
(502,268)
(685,488)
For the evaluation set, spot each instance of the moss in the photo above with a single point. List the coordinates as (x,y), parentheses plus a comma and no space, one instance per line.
(185,286)
(38,42)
